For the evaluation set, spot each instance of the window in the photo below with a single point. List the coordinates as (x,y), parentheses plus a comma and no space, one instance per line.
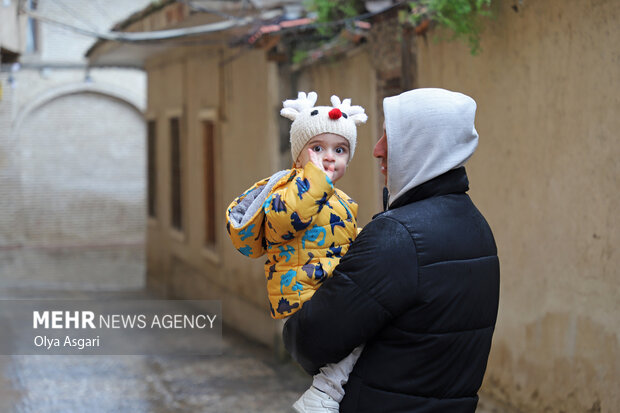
(31,29)
(208,132)
(151,168)
(176,174)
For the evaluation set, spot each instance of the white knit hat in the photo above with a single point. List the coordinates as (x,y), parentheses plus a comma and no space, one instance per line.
(308,120)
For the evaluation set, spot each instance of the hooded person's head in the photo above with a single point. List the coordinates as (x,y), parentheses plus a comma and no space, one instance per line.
(429,132)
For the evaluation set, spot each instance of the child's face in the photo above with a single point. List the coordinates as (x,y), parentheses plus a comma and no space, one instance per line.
(329,152)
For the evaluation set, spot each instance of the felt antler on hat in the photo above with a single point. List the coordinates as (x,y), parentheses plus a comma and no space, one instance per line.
(292,108)
(356,113)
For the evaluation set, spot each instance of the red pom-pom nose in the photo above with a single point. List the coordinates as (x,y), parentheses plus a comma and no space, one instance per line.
(335,114)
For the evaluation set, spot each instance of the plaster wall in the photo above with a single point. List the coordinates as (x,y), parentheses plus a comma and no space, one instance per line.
(60,44)
(76,196)
(343,78)
(10,227)
(71,160)
(241,93)
(238,93)
(12,28)
(546,177)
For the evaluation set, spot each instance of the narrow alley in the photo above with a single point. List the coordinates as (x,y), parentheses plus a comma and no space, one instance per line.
(247,377)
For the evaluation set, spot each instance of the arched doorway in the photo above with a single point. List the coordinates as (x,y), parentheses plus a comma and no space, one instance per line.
(82,193)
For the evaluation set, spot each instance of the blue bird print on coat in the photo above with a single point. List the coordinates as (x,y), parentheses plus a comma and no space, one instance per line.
(303,186)
(297,223)
(285,279)
(247,250)
(286,252)
(321,202)
(312,235)
(246,233)
(334,221)
(278,204)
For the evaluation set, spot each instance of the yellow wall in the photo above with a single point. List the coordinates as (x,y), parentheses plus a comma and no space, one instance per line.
(353,77)
(239,96)
(242,92)
(546,177)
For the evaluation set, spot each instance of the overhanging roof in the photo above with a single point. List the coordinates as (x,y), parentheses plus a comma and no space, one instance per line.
(197,28)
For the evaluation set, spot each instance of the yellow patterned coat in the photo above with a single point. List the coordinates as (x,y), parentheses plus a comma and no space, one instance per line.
(302,223)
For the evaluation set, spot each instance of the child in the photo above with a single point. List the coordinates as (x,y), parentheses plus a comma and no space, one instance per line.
(303,224)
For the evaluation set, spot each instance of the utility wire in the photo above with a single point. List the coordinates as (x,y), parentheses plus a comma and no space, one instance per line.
(158,35)
(136,37)
(76,15)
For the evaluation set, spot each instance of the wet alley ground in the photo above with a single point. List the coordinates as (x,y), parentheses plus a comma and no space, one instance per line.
(247,377)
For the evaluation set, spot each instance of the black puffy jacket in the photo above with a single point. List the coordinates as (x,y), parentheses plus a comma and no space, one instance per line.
(419,286)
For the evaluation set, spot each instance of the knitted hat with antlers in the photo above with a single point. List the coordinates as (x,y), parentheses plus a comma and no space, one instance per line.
(308,120)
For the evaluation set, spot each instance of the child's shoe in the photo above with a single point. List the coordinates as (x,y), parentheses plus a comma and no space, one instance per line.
(316,401)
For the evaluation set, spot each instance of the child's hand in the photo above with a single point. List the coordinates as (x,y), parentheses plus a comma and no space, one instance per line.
(316,159)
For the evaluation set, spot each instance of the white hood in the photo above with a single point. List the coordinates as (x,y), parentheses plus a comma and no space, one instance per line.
(429,132)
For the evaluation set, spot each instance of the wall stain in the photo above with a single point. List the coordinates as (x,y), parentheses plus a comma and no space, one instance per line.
(558,363)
